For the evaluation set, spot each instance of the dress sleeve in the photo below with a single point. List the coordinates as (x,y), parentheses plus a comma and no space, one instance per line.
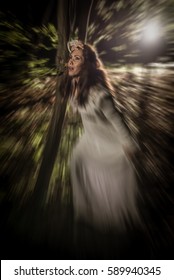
(108,109)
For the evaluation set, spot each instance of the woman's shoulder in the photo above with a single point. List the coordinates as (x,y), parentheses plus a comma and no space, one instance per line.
(99,92)
(104,100)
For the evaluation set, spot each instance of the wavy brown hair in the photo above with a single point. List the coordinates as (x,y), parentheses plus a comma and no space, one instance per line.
(91,75)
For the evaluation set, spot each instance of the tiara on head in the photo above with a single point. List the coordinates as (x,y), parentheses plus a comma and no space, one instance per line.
(75,44)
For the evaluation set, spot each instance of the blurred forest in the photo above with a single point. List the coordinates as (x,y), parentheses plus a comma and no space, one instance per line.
(142,72)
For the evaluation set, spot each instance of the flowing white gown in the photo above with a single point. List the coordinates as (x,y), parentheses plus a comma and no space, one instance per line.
(103,179)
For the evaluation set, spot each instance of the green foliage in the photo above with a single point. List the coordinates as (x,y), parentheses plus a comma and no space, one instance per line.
(49,32)
(26,52)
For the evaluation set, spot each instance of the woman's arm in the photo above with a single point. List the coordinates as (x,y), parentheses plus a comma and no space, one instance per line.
(108,109)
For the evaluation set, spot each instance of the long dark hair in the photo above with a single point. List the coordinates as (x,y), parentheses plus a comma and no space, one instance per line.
(91,75)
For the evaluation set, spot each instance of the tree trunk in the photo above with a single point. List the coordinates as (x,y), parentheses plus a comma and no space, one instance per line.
(56,124)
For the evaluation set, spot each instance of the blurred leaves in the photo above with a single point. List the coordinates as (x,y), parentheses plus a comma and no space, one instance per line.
(28,87)
(25,52)
(145,98)
(119,28)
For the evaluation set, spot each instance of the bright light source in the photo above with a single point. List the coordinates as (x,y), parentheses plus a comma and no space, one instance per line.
(152,32)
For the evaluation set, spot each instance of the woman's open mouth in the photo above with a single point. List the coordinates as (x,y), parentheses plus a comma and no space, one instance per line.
(70,68)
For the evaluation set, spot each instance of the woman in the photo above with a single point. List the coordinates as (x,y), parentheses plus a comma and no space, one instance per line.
(103,180)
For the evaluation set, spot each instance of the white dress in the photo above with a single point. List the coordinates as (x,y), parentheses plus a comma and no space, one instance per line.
(103,179)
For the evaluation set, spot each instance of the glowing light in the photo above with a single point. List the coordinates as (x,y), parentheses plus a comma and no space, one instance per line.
(152,32)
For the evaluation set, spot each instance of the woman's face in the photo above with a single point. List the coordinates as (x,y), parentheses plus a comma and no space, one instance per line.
(75,62)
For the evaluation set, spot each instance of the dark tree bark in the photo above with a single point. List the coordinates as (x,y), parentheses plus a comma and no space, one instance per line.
(56,124)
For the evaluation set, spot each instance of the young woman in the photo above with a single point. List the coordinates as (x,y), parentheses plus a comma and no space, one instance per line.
(103,179)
